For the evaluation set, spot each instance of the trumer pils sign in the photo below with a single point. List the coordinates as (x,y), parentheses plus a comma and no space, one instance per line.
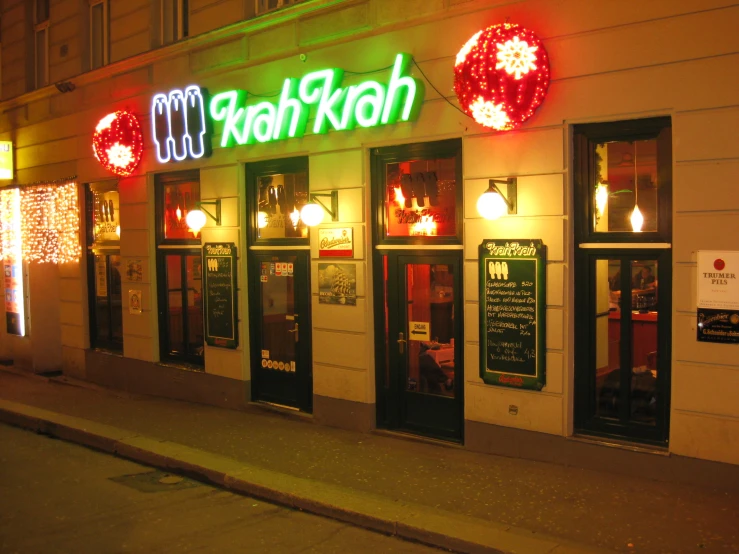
(182,120)
(718,296)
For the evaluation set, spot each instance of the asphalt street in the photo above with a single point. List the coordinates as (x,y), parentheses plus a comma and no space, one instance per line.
(62,498)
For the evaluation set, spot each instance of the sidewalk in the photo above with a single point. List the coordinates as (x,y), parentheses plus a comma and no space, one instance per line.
(436,494)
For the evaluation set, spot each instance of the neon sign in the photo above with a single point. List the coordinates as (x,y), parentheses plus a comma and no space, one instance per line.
(180,126)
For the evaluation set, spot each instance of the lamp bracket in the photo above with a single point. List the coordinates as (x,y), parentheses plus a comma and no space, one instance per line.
(217,204)
(334,196)
(511,195)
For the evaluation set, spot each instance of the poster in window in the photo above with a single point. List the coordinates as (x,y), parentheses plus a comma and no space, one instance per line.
(101,277)
(105,215)
(337,284)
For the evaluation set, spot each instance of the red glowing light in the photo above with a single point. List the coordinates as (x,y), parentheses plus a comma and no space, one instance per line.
(118,143)
(501,76)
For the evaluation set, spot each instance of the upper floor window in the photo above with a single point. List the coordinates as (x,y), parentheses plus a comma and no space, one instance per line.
(99,17)
(263,6)
(175,19)
(41,42)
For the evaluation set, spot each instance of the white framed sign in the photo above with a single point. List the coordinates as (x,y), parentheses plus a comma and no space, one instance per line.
(336,242)
(718,280)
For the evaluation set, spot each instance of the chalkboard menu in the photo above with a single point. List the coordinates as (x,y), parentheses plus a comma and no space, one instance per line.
(513,313)
(220,294)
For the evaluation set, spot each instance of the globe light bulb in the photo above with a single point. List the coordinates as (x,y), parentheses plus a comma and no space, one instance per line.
(637,220)
(491,205)
(195,220)
(311,214)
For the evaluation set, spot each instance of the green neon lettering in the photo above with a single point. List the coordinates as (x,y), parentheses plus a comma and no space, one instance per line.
(229,114)
(367,104)
(368,108)
(323,86)
(298,112)
(264,121)
(392,110)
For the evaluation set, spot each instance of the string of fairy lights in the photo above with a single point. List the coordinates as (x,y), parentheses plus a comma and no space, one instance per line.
(41,222)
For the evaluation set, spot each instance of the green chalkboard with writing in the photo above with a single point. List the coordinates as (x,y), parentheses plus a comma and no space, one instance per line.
(513,313)
(220,294)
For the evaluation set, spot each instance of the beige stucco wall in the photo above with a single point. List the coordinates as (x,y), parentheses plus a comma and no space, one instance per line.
(610,61)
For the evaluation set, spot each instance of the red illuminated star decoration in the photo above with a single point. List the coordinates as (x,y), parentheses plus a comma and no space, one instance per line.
(118,143)
(501,76)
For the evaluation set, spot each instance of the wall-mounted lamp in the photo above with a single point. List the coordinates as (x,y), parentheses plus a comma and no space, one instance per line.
(494,204)
(196,219)
(65,86)
(312,213)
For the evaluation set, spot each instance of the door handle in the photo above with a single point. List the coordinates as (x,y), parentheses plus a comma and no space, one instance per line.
(295,330)
(401,343)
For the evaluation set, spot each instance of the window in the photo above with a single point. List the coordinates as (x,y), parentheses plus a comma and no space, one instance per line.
(263,6)
(41,43)
(104,267)
(418,193)
(179,270)
(623,278)
(175,19)
(281,192)
(98,33)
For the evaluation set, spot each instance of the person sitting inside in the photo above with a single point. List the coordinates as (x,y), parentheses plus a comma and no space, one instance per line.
(644,279)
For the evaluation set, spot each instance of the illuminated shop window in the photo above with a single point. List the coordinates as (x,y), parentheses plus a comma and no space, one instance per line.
(420,198)
(278,191)
(626,198)
(179,199)
(281,198)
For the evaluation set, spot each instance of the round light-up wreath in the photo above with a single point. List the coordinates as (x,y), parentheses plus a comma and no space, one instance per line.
(501,76)
(118,142)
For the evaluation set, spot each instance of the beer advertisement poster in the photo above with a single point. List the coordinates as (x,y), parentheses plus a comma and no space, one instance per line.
(718,296)
(337,284)
(336,243)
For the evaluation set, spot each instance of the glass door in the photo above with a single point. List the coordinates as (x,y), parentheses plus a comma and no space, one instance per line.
(423,377)
(281,329)
(181,312)
(628,328)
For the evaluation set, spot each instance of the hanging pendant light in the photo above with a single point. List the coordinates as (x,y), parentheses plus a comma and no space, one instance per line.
(637,219)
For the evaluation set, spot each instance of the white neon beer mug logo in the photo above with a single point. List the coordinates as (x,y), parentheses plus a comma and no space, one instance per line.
(178,124)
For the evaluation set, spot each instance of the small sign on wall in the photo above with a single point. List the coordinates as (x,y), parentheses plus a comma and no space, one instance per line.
(718,296)
(337,284)
(6,159)
(134,302)
(336,243)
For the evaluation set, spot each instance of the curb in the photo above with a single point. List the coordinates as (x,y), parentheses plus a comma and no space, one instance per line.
(404,520)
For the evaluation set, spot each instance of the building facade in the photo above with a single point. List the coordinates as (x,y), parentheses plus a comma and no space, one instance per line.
(556,332)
